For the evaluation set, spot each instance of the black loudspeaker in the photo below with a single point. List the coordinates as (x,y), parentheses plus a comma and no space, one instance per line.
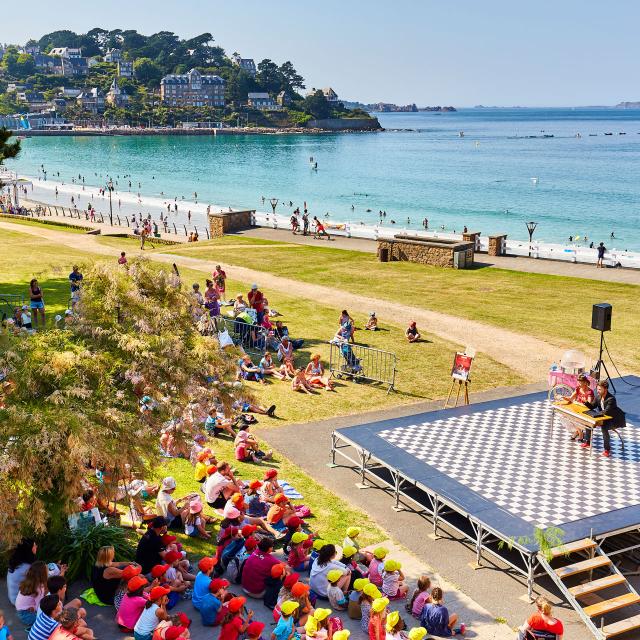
(601,317)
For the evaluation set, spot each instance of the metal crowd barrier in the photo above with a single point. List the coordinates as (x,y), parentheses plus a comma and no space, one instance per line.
(8,302)
(252,338)
(362,363)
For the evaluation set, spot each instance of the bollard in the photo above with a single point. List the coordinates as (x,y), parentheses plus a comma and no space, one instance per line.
(207,231)
(185,229)
(119,223)
(174,228)
(127,219)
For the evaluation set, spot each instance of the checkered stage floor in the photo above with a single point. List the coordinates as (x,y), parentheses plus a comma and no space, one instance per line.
(508,455)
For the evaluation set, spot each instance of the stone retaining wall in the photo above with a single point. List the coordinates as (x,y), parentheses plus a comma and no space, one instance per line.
(228,221)
(434,253)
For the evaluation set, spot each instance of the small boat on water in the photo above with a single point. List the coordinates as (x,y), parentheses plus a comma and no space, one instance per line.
(461,134)
(608,134)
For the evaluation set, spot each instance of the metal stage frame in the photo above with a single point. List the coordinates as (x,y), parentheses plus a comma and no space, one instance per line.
(436,508)
(618,537)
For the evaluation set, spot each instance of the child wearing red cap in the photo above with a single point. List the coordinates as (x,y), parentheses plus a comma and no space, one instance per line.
(211,603)
(280,512)
(270,487)
(176,626)
(233,624)
(254,630)
(300,594)
(130,571)
(154,610)
(273,584)
(202,581)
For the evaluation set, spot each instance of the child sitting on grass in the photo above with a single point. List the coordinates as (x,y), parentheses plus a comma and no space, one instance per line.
(248,449)
(412,333)
(194,524)
(372,322)
(393,586)
(336,596)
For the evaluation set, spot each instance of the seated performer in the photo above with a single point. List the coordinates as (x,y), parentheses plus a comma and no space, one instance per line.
(582,395)
(606,405)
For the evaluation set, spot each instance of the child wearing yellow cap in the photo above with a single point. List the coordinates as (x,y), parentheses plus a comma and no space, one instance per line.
(298,559)
(417,633)
(335,594)
(354,610)
(394,626)
(285,629)
(393,586)
(343,634)
(318,543)
(376,565)
(350,538)
(317,625)
(378,618)
(369,593)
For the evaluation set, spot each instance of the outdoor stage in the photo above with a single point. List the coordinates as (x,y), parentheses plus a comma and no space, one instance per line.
(496,471)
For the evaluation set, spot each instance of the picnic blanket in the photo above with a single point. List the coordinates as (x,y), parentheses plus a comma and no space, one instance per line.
(290,492)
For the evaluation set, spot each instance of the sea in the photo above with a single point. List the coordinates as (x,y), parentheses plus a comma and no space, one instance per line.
(575,172)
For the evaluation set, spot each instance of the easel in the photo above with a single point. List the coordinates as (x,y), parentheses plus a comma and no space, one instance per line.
(461,384)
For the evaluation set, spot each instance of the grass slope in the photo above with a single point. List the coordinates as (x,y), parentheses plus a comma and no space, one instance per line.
(553,308)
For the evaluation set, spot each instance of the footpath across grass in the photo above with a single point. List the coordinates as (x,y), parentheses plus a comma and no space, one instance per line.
(553,308)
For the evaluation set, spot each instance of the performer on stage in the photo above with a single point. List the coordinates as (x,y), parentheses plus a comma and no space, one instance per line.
(606,405)
(581,395)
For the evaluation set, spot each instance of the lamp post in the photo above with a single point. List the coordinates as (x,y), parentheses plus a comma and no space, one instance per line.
(531,227)
(110,187)
(274,204)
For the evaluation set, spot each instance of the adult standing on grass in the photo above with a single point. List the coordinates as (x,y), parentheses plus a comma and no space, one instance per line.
(256,300)
(37,303)
(220,277)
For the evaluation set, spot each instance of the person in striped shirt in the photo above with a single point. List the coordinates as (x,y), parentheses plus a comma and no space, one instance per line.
(47,618)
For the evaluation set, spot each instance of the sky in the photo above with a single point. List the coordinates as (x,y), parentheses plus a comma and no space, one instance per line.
(431,52)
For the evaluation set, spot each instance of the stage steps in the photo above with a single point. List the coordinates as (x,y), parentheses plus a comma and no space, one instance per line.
(607,592)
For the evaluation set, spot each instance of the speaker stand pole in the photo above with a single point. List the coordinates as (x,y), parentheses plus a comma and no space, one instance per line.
(601,365)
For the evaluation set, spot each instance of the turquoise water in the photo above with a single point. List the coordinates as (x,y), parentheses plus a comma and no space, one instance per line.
(420,167)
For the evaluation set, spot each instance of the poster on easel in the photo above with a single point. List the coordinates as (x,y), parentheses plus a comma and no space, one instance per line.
(461,366)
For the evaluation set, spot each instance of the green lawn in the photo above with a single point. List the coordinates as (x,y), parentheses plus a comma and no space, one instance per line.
(42,225)
(423,368)
(553,308)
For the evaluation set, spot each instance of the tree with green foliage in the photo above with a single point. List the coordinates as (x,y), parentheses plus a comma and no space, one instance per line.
(317,105)
(268,76)
(290,78)
(147,71)
(72,395)
(8,149)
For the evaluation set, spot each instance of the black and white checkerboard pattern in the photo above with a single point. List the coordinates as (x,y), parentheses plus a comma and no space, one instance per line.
(510,456)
